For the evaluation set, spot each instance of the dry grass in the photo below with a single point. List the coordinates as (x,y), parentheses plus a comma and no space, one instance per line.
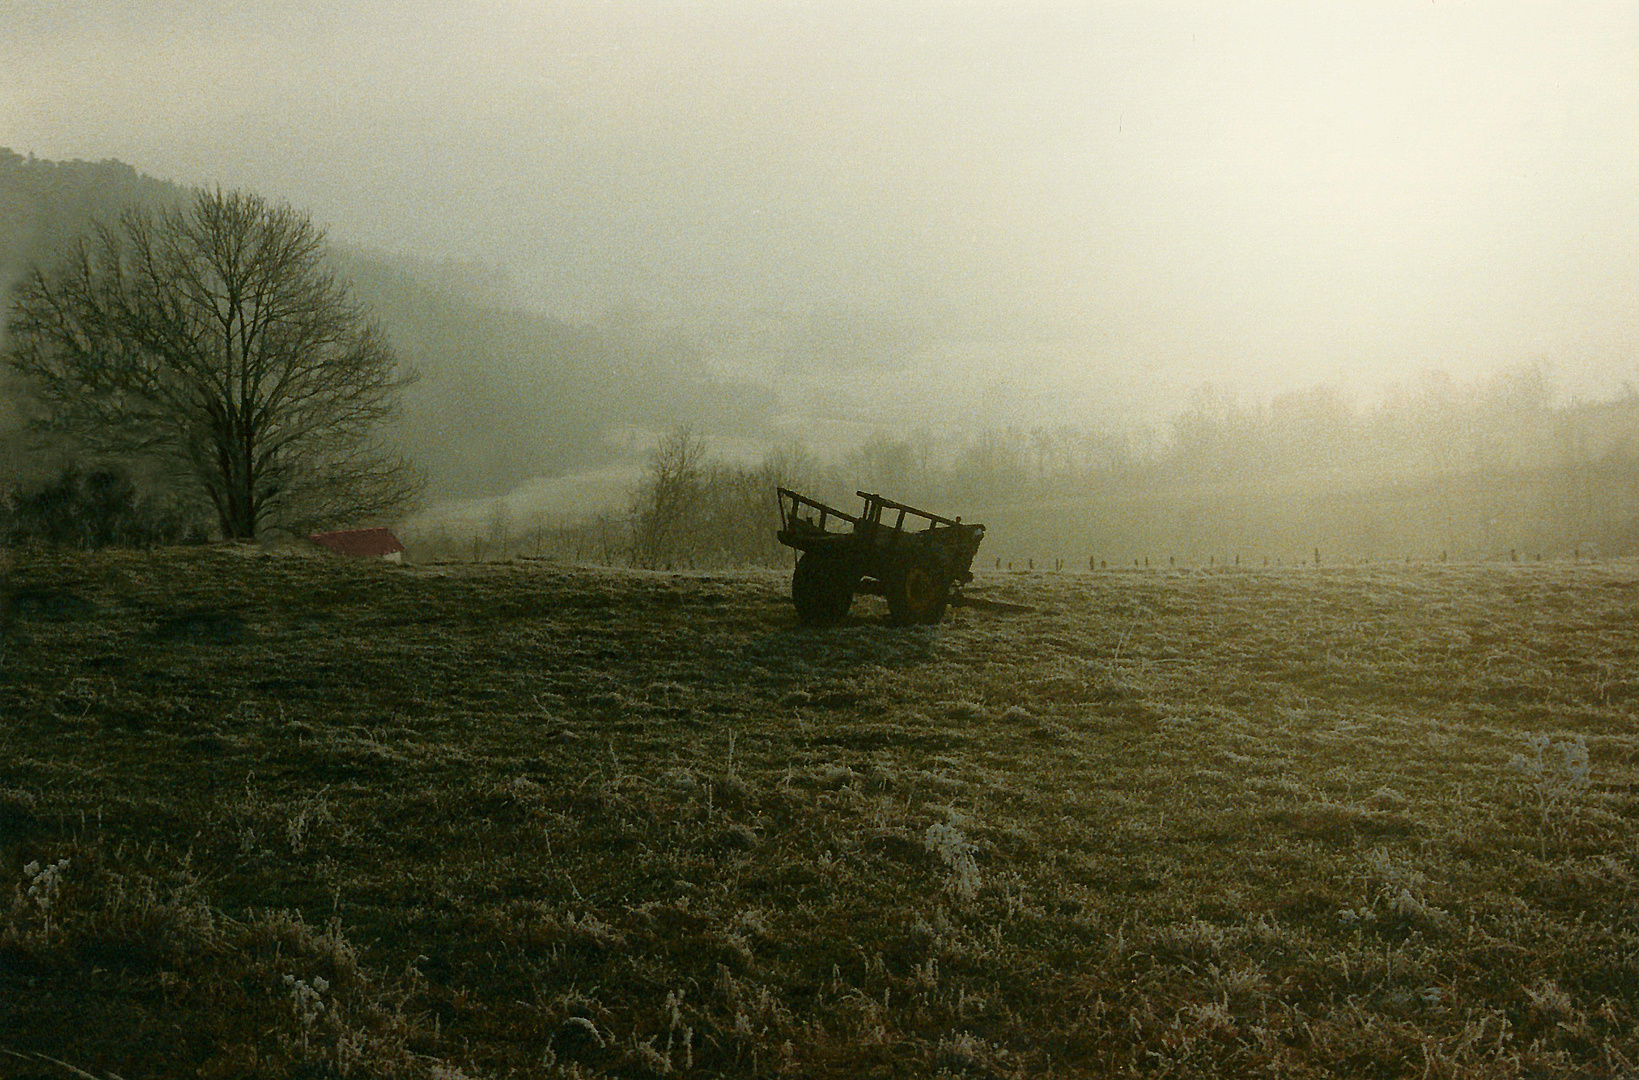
(334,818)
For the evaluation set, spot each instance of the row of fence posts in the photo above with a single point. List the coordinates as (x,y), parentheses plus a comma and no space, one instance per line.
(1095,564)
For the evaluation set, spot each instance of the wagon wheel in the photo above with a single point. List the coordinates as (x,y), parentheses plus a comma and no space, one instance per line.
(918,595)
(822,590)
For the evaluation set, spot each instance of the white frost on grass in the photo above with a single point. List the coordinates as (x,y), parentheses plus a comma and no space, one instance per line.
(1557,774)
(946,840)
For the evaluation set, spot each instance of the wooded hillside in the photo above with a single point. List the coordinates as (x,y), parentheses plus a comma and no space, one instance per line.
(504,394)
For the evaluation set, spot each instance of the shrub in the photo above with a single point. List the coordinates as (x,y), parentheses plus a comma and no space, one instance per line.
(95,509)
(692,511)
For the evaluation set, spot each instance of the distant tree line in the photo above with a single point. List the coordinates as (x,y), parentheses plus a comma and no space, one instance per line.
(1501,464)
(1494,467)
(1509,422)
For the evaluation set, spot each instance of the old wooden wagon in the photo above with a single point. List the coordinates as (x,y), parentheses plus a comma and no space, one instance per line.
(911,557)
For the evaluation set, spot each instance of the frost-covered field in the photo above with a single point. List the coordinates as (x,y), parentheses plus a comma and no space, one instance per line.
(294,816)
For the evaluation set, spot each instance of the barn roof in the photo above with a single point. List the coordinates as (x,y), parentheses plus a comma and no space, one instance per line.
(366,542)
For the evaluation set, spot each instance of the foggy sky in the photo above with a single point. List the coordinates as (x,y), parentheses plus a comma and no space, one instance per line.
(1064,196)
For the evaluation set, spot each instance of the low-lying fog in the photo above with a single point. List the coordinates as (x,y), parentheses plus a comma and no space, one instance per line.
(812,222)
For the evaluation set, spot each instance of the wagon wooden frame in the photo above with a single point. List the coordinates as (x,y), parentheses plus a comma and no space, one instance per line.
(914,568)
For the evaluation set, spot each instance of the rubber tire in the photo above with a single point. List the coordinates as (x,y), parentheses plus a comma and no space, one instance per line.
(918,596)
(822,590)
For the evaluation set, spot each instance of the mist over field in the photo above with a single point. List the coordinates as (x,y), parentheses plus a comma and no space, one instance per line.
(1234,281)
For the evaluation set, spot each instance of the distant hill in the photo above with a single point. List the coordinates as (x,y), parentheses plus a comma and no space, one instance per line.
(504,394)
(45,206)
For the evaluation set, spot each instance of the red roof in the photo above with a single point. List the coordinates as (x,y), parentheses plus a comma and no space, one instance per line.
(366,542)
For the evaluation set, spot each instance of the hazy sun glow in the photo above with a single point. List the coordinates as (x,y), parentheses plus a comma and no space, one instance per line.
(1064,195)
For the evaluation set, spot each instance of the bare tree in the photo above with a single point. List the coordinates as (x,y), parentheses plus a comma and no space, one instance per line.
(215,342)
(612,535)
(665,506)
